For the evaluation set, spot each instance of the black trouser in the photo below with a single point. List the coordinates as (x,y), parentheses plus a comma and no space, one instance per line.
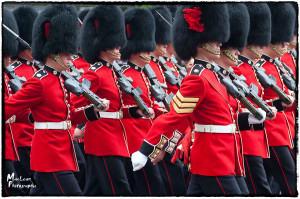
(81,174)
(22,167)
(106,175)
(293,151)
(187,176)
(172,176)
(214,185)
(61,183)
(256,177)
(282,166)
(10,187)
(146,181)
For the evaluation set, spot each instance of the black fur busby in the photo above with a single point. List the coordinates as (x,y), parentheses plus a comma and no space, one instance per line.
(283,18)
(213,26)
(55,30)
(163,24)
(140,32)
(239,26)
(295,5)
(172,9)
(83,13)
(25,17)
(103,28)
(9,42)
(260,24)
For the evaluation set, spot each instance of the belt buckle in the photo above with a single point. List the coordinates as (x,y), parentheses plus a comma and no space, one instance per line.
(68,124)
(120,114)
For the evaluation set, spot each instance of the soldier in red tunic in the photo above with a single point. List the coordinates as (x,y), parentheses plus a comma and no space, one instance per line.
(172,173)
(279,132)
(55,38)
(259,35)
(198,32)
(105,140)
(140,34)
(10,48)
(23,67)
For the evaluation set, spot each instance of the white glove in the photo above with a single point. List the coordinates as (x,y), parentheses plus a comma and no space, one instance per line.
(138,160)
(253,120)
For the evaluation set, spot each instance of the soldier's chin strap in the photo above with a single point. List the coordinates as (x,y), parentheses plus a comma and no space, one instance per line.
(274,47)
(58,60)
(254,50)
(145,57)
(28,53)
(210,49)
(111,52)
(160,51)
(230,55)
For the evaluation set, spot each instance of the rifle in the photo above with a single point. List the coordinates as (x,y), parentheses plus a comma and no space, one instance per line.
(156,88)
(74,86)
(294,53)
(170,77)
(236,93)
(250,91)
(182,70)
(128,89)
(287,75)
(15,81)
(74,71)
(269,81)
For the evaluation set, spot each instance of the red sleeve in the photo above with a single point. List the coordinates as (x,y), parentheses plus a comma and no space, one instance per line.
(168,128)
(30,94)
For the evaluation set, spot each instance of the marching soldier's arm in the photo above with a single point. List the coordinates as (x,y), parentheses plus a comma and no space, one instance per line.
(168,128)
(31,94)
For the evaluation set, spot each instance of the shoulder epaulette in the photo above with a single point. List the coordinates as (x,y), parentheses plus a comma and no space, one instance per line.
(239,63)
(124,67)
(40,74)
(74,57)
(260,62)
(96,66)
(196,70)
(16,64)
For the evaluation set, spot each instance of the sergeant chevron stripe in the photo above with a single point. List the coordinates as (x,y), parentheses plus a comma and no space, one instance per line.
(184,104)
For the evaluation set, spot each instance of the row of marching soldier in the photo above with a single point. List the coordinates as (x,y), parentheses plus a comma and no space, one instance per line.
(160,101)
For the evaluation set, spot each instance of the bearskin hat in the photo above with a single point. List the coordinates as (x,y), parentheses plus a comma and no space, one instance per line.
(283,18)
(199,24)
(163,29)
(239,26)
(260,24)
(295,5)
(9,42)
(172,9)
(103,28)
(25,17)
(55,30)
(83,13)
(140,32)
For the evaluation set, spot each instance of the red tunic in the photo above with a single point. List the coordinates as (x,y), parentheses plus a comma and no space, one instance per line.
(45,95)
(79,62)
(259,137)
(105,136)
(137,129)
(23,132)
(172,89)
(10,150)
(203,98)
(278,130)
(290,61)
